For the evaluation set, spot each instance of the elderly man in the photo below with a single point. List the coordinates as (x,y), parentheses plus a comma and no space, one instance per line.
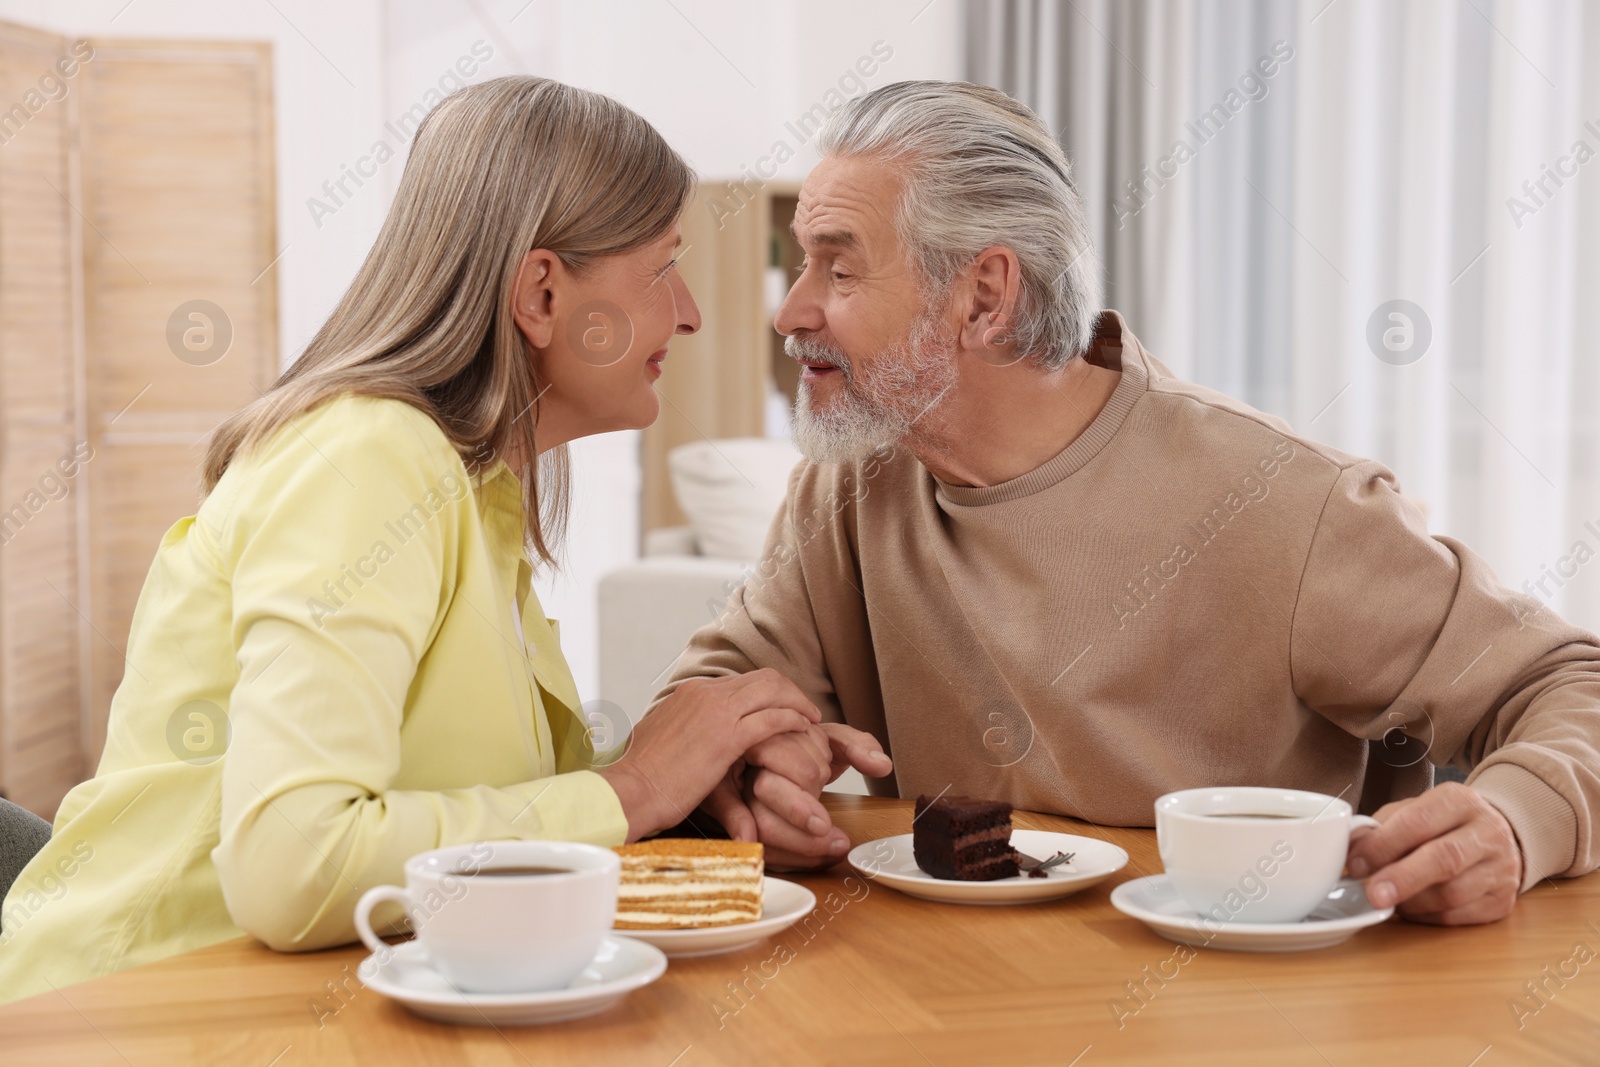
(1034,566)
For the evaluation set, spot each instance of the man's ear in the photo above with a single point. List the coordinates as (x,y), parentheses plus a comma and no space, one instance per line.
(533,296)
(994,282)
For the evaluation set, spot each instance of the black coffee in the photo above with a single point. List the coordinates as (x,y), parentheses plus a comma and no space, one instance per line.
(513,872)
(1248,815)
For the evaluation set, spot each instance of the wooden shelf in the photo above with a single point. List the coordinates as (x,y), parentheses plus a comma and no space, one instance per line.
(717,382)
(787,256)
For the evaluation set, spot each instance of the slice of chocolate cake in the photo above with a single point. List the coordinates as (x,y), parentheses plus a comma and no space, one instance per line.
(963,839)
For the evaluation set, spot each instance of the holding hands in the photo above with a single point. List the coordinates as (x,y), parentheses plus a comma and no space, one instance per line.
(773,794)
(682,750)
(750,750)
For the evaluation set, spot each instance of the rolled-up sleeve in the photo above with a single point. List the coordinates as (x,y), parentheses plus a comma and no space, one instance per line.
(334,606)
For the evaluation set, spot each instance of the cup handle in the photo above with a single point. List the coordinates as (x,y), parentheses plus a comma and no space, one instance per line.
(1364,820)
(369,900)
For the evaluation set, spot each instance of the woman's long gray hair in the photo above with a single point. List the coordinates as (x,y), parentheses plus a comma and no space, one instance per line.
(496,170)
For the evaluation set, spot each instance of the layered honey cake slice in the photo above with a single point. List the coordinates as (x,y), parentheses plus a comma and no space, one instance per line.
(679,883)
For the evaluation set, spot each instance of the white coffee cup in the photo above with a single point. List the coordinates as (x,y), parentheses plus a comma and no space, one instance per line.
(1254,854)
(489,932)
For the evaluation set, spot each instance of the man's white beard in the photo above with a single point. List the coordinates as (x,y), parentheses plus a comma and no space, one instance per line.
(879,407)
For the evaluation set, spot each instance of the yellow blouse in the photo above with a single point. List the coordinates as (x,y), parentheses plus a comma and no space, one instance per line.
(324,677)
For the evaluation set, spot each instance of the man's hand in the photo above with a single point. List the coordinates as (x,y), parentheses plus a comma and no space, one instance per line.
(800,763)
(1447,857)
(774,797)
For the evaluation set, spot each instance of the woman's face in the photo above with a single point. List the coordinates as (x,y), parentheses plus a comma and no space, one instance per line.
(600,338)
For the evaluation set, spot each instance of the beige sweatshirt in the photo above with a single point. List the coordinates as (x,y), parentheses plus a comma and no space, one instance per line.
(1189,594)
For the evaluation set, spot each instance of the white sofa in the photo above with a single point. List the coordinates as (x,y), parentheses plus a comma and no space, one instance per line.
(649,609)
(730,490)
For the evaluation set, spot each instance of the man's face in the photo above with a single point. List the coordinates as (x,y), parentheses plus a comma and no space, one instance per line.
(875,360)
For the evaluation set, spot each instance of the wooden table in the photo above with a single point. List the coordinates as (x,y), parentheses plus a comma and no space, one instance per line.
(885,979)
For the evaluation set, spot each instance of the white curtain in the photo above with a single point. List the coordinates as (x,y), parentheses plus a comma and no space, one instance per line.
(1383,159)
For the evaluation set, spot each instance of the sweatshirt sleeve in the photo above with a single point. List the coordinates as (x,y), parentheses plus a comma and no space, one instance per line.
(768,620)
(310,816)
(1393,629)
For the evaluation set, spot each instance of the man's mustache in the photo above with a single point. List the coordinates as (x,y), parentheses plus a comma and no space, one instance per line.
(810,350)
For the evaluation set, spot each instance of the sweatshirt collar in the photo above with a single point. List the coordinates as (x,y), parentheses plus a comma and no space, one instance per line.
(1114,347)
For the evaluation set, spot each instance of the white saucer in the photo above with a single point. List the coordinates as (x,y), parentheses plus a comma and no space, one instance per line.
(620,967)
(782,905)
(889,860)
(1155,902)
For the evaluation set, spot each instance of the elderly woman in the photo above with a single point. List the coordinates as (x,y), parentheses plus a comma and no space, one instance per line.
(338,662)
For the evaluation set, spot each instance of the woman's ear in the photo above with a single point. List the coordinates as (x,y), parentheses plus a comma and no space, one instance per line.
(533,297)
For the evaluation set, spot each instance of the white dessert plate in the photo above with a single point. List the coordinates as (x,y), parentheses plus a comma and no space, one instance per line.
(620,967)
(889,860)
(1155,902)
(782,905)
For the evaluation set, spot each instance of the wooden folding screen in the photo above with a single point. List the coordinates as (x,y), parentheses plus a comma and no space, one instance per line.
(137,308)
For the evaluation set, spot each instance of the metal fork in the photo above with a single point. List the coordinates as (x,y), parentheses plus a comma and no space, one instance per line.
(1038,868)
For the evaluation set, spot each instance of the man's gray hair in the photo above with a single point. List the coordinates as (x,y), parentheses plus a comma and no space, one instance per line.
(982,170)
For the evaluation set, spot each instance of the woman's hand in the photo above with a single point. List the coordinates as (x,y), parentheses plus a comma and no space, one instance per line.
(680,751)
